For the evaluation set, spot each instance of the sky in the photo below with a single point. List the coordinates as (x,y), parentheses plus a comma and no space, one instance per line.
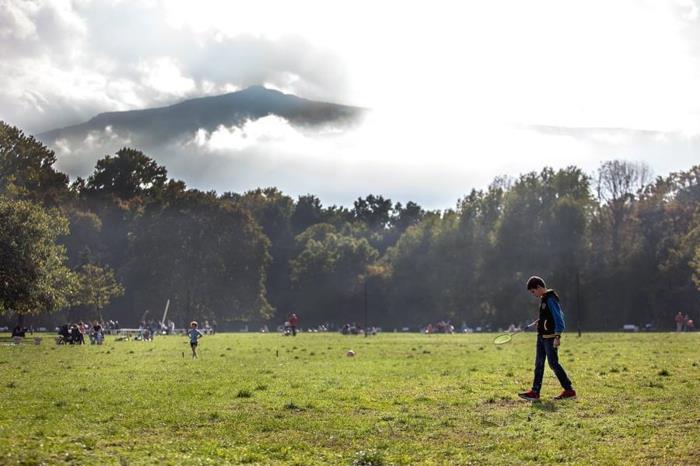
(459,93)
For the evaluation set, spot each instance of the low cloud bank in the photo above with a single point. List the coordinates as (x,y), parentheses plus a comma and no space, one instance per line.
(432,163)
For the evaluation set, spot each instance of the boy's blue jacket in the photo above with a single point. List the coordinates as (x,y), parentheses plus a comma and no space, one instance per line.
(551,321)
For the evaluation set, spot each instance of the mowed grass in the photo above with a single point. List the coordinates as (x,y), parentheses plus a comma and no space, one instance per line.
(403,399)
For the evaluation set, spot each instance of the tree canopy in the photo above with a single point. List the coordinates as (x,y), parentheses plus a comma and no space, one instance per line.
(34,277)
(620,247)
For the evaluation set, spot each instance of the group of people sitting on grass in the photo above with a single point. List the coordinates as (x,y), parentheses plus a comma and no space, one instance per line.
(353,329)
(440,327)
(74,334)
(21,331)
(148,330)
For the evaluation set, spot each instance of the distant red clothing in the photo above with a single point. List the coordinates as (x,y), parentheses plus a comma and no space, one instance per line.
(293,320)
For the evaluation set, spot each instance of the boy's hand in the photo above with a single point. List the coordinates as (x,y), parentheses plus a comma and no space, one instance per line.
(557,342)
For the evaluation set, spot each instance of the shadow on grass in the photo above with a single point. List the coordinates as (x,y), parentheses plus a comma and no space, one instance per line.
(548,406)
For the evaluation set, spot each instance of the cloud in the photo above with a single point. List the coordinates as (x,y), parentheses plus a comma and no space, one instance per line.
(335,164)
(28,29)
(432,161)
(689,9)
(63,62)
(267,130)
(165,76)
(669,150)
(457,89)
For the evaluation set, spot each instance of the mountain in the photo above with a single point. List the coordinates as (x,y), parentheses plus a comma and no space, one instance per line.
(159,125)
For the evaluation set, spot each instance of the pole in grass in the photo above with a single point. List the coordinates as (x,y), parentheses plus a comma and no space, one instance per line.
(165,313)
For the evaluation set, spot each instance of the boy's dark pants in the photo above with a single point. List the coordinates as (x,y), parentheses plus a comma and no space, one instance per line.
(546,349)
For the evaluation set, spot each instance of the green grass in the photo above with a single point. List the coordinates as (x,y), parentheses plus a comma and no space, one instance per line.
(403,399)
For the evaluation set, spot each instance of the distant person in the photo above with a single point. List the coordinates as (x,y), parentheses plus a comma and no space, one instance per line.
(550,325)
(194,335)
(152,328)
(63,335)
(293,323)
(686,320)
(76,335)
(679,322)
(19,331)
(97,334)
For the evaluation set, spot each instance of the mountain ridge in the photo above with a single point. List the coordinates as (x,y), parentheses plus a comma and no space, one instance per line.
(159,124)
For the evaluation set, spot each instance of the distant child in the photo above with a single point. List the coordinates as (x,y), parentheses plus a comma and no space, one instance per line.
(194,335)
(549,328)
(293,323)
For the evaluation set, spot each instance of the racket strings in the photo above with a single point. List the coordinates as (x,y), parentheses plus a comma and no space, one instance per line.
(501,339)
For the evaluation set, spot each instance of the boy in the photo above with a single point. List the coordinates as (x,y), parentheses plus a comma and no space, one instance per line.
(194,335)
(549,328)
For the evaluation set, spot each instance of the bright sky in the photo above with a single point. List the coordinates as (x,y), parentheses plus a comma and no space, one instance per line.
(631,64)
(458,90)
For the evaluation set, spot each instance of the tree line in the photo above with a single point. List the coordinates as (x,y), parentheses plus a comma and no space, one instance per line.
(620,246)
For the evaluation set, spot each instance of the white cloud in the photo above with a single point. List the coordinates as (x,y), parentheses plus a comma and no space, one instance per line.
(403,160)
(39,27)
(62,147)
(271,130)
(691,8)
(163,75)
(15,21)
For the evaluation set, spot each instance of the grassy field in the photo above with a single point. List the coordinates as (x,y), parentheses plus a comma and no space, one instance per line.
(403,399)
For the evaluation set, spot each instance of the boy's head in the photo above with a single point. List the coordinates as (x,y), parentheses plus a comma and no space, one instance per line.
(536,286)
(193,324)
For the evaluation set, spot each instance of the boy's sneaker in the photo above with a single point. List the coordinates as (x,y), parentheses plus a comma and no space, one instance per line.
(529,395)
(567,395)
